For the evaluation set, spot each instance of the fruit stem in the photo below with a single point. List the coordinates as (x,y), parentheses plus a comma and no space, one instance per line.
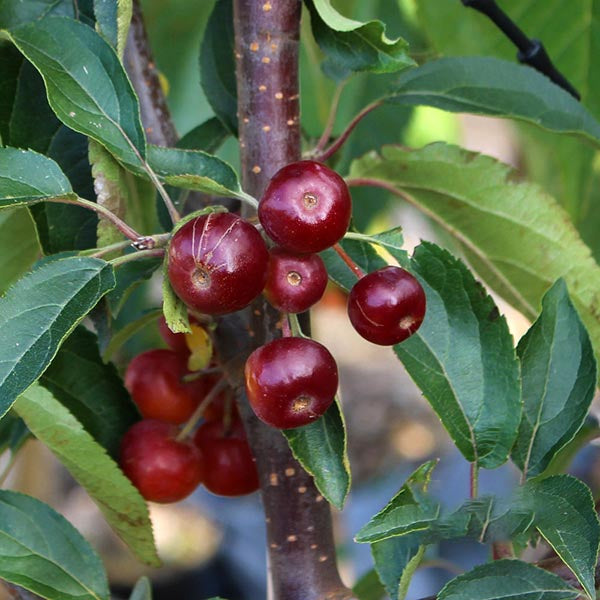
(154,241)
(295,326)
(193,420)
(201,373)
(285,325)
(318,149)
(123,227)
(341,140)
(115,262)
(349,262)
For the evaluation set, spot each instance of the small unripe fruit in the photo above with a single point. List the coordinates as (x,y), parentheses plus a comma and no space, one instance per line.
(306,207)
(291,381)
(295,281)
(160,467)
(154,380)
(387,306)
(217,263)
(230,466)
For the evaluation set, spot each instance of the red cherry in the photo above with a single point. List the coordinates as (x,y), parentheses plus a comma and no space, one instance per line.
(387,306)
(217,263)
(291,381)
(160,467)
(154,380)
(295,282)
(230,466)
(175,341)
(306,207)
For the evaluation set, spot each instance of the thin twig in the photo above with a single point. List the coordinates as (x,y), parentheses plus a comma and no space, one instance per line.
(349,262)
(318,149)
(115,262)
(193,420)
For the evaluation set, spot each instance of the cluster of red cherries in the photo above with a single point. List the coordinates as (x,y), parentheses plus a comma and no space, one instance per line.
(219,263)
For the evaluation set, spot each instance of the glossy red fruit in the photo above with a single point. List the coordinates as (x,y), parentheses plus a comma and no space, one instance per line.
(153,379)
(217,263)
(230,465)
(387,306)
(295,281)
(175,341)
(306,207)
(291,381)
(160,467)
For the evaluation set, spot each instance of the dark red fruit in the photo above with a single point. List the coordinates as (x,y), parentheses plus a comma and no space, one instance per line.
(387,306)
(160,467)
(306,207)
(295,282)
(175,341)
(217,263)
(153,379)
(291,381)
(230,466)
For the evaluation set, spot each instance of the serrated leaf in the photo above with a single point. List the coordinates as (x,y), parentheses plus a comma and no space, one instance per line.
(352,46)
(27,177)
(17,12)
(558,374)
(513,234)
(39,311)
(128,276)
(208,136)
(86,84)
(507,580)
(91,390)
(112,21)
(490,86)
(217,65)
(566,518)
(42,552)
(407,512)
(20,246)
(142,590)
(194,170)
(120,503)
(462,359)
(321,449)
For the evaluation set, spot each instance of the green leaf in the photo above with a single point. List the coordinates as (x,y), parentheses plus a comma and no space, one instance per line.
(91,390)
(174,310)
(352,46)
(194,170)
(13,432)
(558,374)
(128,331)
(407,512)
(462,359)
(120,503)
(368,587)
(16,12)
(112,21)
(142,590)
(27,177)
(489,86)
(10,67)
(565,516)
(321,448)
(396,560)
(217,65)
(86,84)
(507,580)
(128,276)
(20,246)
(208,136)
(42,552)
(39,311)
(513,234)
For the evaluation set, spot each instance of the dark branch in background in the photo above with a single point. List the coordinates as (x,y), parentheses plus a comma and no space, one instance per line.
(142,71)
(531,52)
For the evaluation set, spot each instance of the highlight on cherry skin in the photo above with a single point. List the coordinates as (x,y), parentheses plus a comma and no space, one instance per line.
(306,207)
(217,263)
(387,306)
(154,380)
(160,467)
(291,381)
(295,282)
(230,468)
